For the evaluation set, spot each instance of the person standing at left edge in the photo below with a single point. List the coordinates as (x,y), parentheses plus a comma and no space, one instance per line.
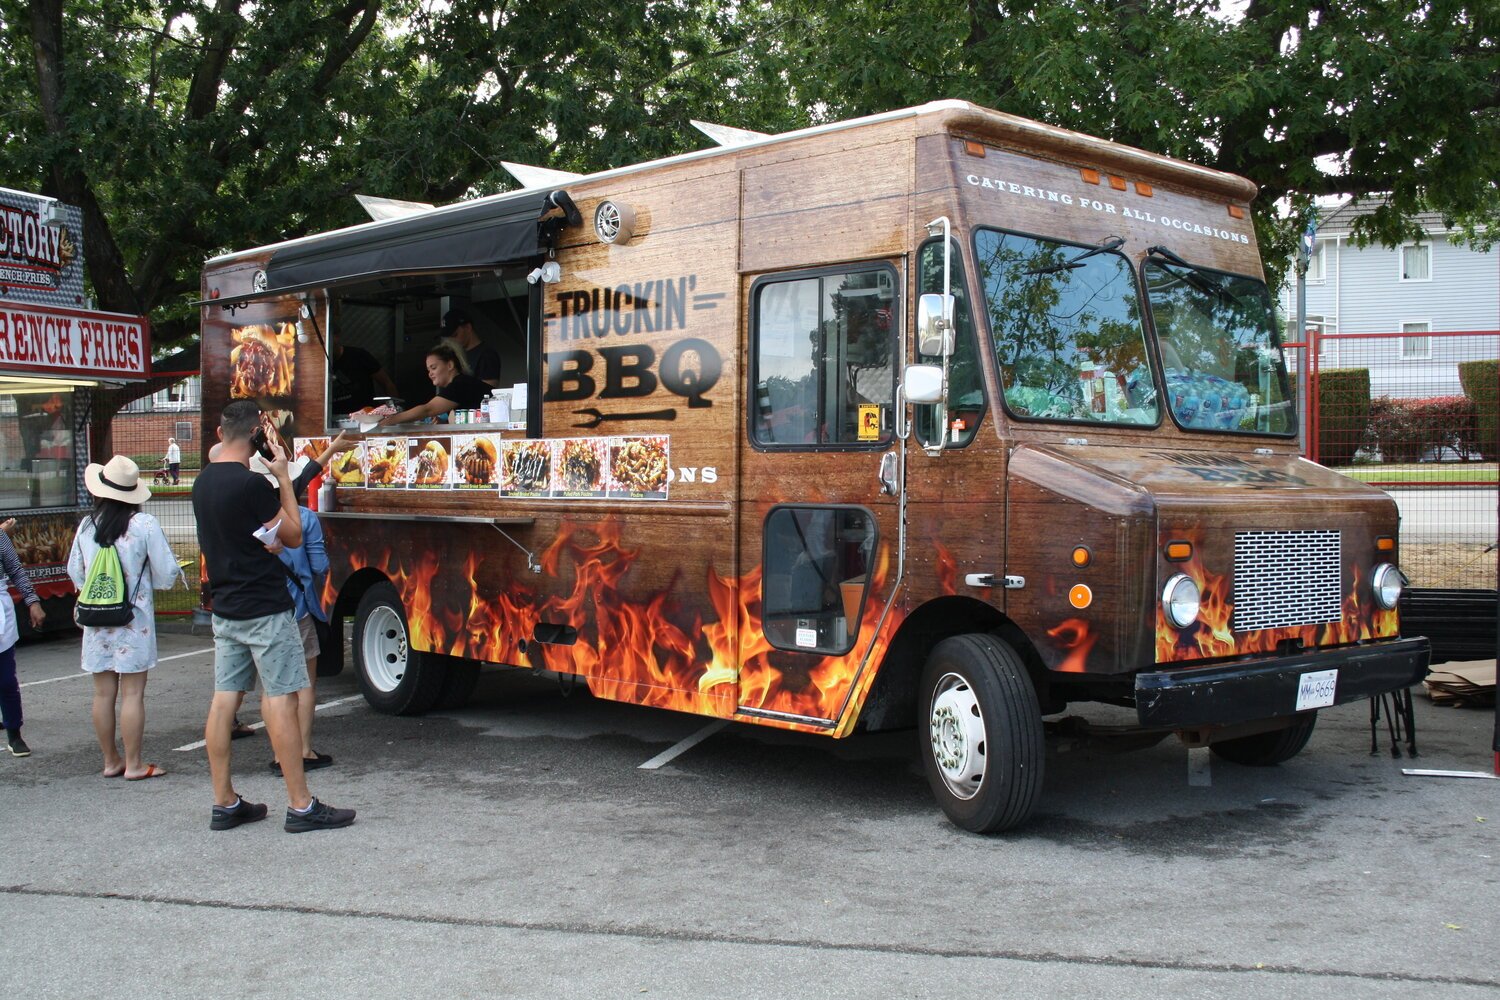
(10,689)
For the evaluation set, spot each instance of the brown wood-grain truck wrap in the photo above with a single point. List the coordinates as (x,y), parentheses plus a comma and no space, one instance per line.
(940,418)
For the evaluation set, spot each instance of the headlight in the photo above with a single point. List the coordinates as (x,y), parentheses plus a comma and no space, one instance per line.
(1388,583)
(1179,599)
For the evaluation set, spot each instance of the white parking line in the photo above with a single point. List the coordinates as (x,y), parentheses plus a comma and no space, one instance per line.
(262,723)
(85,673)
(673,752)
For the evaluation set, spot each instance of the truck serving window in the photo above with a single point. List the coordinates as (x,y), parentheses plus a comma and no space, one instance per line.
(823,350)
(36,446)
(1066,324)
(965,382)
(1221,355)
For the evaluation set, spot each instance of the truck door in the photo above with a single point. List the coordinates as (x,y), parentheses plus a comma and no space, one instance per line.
(818,531)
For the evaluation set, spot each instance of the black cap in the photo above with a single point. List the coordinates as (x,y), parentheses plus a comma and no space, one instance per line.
(454,319)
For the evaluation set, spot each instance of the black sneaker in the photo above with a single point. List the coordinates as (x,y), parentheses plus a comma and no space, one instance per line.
(229,817)
(319,817)
(17,745)
(308,763)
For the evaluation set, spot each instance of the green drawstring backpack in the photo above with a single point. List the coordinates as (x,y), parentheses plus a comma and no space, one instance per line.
(103,601)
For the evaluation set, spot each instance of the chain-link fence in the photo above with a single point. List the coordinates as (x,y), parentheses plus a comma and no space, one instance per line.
(1415,413)
(146,430)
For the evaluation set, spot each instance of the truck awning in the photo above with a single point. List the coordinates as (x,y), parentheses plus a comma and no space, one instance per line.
(467,237)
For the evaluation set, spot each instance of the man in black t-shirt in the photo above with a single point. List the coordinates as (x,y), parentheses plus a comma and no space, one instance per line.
(484,360)
(255,632)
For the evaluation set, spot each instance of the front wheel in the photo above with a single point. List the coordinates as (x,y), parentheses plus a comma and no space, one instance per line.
(1266,749)
(395,678)
(981,733)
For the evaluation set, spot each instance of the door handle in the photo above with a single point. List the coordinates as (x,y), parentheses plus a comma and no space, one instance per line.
(890,485)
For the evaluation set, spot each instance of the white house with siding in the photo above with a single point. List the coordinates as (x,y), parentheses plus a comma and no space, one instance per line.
(1432,286)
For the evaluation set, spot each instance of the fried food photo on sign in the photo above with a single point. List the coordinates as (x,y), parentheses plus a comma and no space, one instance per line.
(527,467)
(387,462)
(580,466)
(262,360)
(347,468)
(476,461)
(639,465)
(430,467)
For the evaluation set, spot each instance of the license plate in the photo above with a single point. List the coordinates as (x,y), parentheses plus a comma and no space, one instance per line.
(1316,690)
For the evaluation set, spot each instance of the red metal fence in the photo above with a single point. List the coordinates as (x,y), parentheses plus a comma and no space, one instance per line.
(1415,413)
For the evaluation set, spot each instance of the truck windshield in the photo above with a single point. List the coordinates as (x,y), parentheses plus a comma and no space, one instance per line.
(1065,320)
(1221,356)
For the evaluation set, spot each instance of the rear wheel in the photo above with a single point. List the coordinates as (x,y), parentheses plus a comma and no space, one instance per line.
(981,733)
(395,678)
(1266,749)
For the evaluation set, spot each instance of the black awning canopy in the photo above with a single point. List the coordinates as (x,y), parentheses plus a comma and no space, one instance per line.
(470,238)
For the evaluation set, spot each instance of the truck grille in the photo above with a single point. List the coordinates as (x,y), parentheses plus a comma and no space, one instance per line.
(1287,578)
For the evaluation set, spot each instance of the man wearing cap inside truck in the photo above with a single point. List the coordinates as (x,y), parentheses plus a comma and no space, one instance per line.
(484,360)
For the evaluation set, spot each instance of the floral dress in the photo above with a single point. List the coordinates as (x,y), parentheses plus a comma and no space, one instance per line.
(126,649)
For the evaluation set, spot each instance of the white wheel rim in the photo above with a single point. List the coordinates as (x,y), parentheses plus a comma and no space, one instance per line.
(384,647)
(957,733)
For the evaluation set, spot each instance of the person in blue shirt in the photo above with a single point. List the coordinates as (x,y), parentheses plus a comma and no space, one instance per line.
(12,573)
(307,567)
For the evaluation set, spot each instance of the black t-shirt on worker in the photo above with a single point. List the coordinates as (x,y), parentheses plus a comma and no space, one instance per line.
(465,391)
(231,503)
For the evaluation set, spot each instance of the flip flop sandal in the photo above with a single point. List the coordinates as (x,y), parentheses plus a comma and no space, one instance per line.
(240,731)
(152,771)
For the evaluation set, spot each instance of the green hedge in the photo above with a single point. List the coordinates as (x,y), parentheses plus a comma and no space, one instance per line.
(1343,413)
(1481,382)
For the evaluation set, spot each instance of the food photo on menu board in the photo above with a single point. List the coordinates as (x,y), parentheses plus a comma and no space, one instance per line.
(579,471)
(385,463)
(429,463)
(638,467)
(526,468)
(476,462)
(262,361)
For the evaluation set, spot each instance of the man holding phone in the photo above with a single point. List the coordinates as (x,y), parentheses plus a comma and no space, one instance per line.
(255,632)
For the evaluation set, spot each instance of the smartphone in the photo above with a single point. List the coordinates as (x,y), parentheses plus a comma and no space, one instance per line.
(261,444)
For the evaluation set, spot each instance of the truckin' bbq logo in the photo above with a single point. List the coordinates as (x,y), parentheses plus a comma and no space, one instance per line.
(689,367)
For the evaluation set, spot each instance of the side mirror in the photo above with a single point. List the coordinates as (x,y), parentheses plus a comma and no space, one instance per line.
(935,325)
(923,383)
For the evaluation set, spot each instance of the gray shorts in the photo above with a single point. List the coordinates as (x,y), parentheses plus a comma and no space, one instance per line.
(269,646)
(307,625)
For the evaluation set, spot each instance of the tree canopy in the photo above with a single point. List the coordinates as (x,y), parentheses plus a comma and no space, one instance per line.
(190,127)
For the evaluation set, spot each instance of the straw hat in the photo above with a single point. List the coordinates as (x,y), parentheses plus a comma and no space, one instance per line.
(117,479)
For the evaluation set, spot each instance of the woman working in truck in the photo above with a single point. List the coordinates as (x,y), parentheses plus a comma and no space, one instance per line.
(456,390)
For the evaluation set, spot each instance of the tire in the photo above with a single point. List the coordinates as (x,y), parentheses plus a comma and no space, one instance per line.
(459,679)
(394,678)
(1267,749)
(981,733)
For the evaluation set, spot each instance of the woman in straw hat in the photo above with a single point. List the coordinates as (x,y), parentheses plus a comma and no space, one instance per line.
(119,656)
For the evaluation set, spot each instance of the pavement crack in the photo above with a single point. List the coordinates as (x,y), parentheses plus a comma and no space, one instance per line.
(646,932)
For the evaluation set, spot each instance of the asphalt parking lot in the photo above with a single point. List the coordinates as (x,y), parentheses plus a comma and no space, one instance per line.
(517,848)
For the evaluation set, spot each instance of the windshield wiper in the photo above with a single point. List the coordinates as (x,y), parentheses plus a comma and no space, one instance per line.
(1113,243)
(1200,281)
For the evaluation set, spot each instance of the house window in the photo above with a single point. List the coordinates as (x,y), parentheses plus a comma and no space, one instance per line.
(1416,348)
(1416,262)
(184,431)
(1315,263)
(1320,327)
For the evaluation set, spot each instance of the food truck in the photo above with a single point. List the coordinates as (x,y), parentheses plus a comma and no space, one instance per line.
(55,351)
(939,417)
